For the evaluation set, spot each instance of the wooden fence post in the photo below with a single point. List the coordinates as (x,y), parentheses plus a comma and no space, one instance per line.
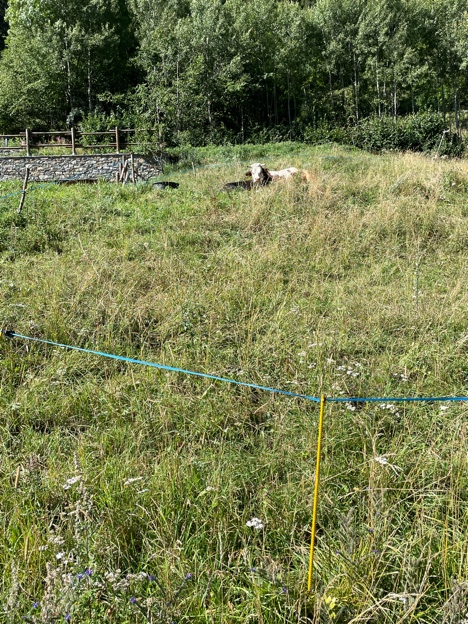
(73,140)
(28,150)
(124,173)
(132,161)
(117,142)
(23,192)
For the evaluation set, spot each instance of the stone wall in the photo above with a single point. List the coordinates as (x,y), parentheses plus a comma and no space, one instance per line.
(86,167)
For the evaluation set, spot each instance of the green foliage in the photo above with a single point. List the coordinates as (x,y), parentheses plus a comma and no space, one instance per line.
(420,133)
(201,72)
(64,53)
(32,82)
(3,24)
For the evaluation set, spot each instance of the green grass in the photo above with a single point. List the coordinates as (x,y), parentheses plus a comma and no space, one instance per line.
(354,284)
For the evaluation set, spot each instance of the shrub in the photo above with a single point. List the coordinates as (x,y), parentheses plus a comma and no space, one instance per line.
(324,133)
(422,132)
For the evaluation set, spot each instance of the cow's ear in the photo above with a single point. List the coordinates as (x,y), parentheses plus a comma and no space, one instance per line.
(248,173)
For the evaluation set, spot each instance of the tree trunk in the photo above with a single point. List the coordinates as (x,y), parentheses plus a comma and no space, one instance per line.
(275,102)
(444,111)
(177,98)
(455,104)
(208,112)
(158,119)
(267,104)
(377,84)
(69,86)
(90,103)
(356,85)
(384,95)
(242,124)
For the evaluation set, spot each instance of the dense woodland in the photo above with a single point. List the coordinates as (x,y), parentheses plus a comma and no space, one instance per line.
(209,71)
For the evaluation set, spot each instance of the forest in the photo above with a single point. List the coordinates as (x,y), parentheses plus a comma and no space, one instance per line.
(230,71)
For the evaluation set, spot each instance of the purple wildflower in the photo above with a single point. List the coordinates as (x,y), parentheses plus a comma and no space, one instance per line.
(67,617)
(188,576)
(284,590)
(151,577)
(35,605)
(133,599)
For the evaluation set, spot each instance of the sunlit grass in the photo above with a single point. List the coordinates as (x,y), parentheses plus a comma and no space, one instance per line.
(352,285)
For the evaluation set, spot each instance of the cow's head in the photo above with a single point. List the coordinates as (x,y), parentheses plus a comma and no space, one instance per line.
(259,173)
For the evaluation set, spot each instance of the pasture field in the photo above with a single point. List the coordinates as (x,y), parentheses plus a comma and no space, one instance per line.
(125,491)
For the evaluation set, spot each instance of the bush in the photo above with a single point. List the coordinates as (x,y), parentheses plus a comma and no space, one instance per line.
(324,133)
(422,132)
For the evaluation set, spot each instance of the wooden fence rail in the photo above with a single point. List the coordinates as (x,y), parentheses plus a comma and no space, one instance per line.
(67,139)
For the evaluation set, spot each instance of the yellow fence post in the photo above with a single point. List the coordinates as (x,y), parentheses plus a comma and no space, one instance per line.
(316,490)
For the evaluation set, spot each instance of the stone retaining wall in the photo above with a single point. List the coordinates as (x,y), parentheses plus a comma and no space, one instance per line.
(94,166)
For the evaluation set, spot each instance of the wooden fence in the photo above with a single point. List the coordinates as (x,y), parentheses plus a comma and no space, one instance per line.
(69,139)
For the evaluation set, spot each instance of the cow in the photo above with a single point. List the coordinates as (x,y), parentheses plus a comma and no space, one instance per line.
(160,186)
(245,185)
(261,175)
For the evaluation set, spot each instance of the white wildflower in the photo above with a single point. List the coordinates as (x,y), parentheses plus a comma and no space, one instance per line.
(255,523)
(383,461)
(405,599)
(444,407)
(128,481)
(56,540)
(60,555)
(71,482)
(389,406)
(351,407)
(209,488)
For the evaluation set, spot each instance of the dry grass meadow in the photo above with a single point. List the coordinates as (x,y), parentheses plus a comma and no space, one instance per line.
(125,492)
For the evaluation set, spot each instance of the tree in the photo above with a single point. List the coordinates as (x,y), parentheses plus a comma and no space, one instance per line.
(32,83)
(338,22)
(3,23)
(194,76)
(84,49)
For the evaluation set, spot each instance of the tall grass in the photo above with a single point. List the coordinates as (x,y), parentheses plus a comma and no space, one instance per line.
(354,284)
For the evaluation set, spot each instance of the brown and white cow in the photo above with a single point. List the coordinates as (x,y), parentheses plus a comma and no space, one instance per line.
(261,175)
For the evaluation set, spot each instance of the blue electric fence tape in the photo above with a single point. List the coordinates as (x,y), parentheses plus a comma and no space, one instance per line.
(12,334)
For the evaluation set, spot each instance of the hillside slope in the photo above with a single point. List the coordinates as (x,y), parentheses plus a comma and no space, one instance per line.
(126,491)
